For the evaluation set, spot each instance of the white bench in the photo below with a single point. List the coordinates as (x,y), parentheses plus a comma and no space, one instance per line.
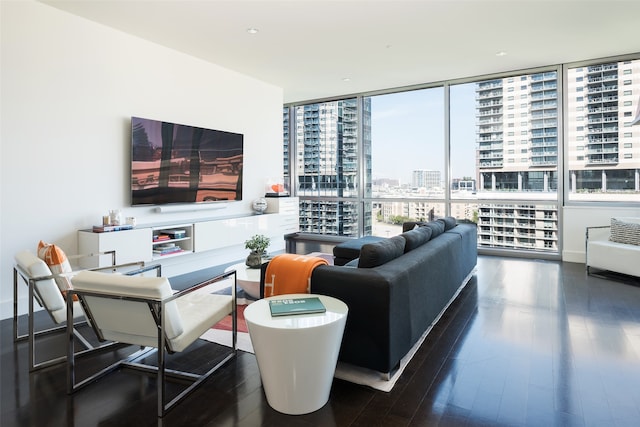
(606,254)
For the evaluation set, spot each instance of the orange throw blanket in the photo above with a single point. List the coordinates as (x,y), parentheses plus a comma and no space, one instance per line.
(290,274)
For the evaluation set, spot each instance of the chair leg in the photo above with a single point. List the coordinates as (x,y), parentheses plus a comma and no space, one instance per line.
(72,386)
(32,334)
(197,379)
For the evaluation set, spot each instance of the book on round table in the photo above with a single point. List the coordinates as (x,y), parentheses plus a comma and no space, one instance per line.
(289,306)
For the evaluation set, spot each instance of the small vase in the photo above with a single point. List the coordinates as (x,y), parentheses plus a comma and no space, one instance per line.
(254,260)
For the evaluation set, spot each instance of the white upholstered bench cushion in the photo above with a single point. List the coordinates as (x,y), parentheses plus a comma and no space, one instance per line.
(186,318)
(618,257)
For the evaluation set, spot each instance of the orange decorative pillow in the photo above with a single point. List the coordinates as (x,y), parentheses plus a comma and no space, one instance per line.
(58,263)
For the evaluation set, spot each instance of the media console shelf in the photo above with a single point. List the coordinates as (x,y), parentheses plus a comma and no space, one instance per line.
(130,246)
(172,241)
(154,242)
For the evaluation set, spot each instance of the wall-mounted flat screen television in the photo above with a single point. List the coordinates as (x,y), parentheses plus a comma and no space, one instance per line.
(174,163)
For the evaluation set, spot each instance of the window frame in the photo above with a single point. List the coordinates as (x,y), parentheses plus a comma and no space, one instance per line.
(563,181)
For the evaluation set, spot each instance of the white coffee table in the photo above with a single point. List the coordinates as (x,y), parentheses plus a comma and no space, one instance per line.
(297,354)
(247,278)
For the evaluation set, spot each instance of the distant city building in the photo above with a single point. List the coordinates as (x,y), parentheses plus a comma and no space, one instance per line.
(386,182)
(425,179)
(458,184)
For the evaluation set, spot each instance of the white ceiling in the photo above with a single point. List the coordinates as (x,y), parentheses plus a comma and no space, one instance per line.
(309,47)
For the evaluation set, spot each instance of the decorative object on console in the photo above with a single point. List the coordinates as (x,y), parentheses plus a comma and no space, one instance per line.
(276,188)
(258,244)
(115,217)
(259,205)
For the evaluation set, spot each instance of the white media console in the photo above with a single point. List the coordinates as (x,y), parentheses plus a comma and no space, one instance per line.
(185,246)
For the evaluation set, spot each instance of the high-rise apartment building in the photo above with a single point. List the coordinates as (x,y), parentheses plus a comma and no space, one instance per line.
(604,153)
(327,166)
(517,122)
(517,134)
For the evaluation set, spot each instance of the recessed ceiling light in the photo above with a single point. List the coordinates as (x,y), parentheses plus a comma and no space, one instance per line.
(346,79)
(501,53)
(252,30)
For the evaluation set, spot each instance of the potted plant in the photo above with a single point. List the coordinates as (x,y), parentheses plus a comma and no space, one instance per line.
(258,244)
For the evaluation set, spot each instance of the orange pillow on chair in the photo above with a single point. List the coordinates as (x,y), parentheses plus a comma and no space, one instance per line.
(58,263)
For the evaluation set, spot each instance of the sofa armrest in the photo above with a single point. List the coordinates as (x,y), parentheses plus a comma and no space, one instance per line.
(351,285)
(378,317)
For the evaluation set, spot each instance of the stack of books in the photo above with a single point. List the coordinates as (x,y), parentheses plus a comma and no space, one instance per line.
(175,233)
(161,237)
(166,249)
(109,228)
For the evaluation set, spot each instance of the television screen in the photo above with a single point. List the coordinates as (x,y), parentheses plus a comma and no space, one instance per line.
(173,163)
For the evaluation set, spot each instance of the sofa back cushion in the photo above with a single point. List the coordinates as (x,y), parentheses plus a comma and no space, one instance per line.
(375,254)
(437,228)
(416,237)
(448,221)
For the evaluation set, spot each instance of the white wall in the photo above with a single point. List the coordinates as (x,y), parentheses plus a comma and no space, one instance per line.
(69,88)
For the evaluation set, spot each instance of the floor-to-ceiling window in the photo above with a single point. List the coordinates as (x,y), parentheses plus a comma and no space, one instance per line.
(497,151)
(327,178)
(603,146)
(407,175)
(504,159)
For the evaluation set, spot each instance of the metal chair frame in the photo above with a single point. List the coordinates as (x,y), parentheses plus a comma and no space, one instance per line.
(34,295)
(590,231)
(157,308)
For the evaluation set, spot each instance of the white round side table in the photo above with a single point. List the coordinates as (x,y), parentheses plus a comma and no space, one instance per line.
(297,354)
(248,278)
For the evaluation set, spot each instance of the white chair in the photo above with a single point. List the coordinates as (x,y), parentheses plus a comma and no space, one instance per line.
(614,247)
(43,290)
(145,311)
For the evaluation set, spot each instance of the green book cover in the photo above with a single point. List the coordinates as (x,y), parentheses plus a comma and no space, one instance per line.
(285,307)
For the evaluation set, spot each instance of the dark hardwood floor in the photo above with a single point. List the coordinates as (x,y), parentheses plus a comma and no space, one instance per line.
(527,343)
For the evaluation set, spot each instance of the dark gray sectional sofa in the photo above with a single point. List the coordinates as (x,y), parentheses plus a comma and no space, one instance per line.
(397,288)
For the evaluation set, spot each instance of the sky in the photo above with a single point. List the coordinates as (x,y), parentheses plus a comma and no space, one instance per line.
(408,128)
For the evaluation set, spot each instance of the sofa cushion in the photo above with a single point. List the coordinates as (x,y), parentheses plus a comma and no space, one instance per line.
(437,228)
(625,231)
(375,254)
(350,249)
(448,221)
(416,237)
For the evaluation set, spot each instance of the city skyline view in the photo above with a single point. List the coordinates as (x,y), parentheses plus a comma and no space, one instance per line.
(505,140)
(413,122)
